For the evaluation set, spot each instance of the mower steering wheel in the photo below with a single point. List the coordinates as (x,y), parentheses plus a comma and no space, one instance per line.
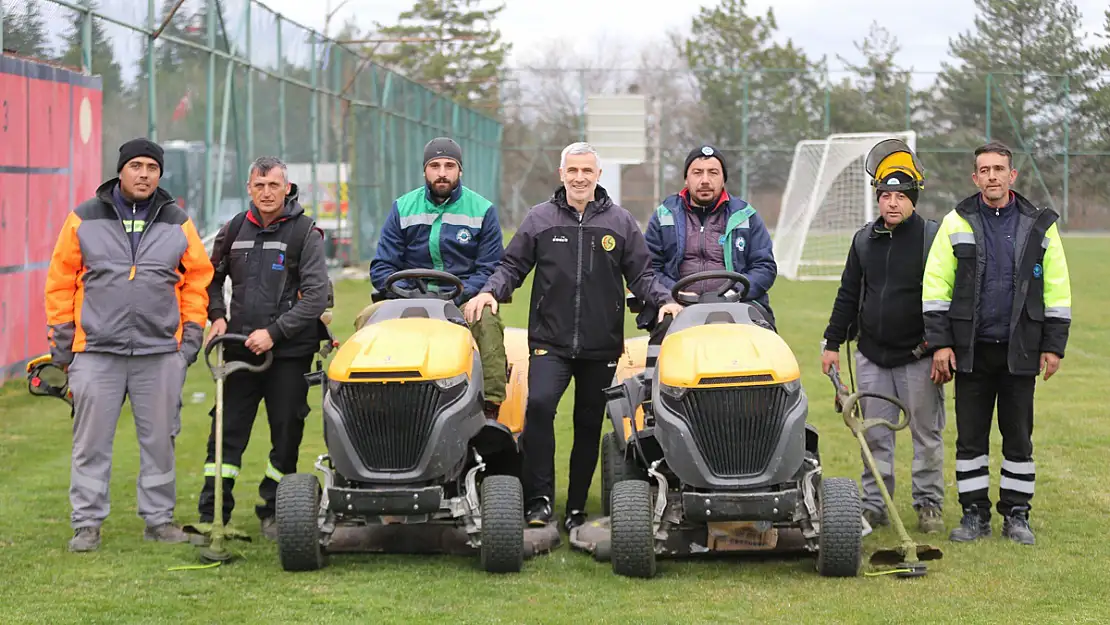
(420,276)
(715,274)
(226,369)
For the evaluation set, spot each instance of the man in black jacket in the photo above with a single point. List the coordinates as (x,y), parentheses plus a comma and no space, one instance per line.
(274,256)
(880,294)
(583,248)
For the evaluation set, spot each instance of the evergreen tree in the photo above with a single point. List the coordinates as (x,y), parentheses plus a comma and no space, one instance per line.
(466,57)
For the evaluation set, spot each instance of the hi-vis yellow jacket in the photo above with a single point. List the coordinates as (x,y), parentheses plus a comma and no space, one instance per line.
(952,287)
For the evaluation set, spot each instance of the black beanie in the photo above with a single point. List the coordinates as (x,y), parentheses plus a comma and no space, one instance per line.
(894,180)
(139,147)
(442,147)
(705,151)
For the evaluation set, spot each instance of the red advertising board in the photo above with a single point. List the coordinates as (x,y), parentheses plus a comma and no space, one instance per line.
(50,155)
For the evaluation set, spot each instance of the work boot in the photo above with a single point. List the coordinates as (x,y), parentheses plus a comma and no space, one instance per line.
(930,520)
(875,518)
(573,519)
(1015,526)
(538,513)
(85,539)
(270,528)
(166,533)
(974,525)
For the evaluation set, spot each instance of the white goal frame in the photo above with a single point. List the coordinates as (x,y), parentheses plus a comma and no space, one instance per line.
(805,195)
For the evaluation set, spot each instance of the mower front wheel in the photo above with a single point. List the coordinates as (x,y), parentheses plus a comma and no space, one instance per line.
(632,542)
(502,524)
(840,545)
(298,504)
(615,467)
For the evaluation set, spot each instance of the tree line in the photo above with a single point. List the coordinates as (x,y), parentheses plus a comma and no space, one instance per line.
(723,78)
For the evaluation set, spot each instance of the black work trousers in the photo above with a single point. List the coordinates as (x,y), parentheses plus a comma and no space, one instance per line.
(548,378)
(285,391)
(990,383)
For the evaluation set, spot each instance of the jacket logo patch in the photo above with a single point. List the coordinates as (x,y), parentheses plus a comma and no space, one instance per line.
(463,236)
(608,243)
(741,243)
(1038,271)
(559,239)
(539,352)
(280,264)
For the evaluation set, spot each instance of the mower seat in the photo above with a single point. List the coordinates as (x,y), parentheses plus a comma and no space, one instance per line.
(705,314)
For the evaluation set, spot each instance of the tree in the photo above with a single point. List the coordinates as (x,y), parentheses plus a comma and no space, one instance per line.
(735,61)
(25,33)
(465,59)
(875,94)
(1018,54)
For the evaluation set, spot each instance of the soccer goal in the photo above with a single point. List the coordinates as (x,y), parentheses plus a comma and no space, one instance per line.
(828,197)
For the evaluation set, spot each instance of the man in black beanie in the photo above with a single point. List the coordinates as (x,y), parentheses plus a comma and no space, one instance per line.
(879,301)
(125,311)
(704,228)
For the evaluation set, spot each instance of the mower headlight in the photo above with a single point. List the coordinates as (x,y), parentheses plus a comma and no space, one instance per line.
(674,392)
(451,382)
(793,386)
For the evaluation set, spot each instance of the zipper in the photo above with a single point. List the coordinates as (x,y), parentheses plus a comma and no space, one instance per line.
(578,288)
(882,291)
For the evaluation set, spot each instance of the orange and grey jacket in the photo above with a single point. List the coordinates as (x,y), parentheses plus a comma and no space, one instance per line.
(102,297)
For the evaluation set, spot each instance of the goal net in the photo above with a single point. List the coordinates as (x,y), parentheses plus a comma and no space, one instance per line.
(828,198)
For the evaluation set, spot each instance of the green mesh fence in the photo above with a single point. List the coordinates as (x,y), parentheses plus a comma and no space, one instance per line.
(226,81)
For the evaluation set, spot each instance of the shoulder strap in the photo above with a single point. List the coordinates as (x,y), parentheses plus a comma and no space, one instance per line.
(297,236)
(931,228)
(233,228)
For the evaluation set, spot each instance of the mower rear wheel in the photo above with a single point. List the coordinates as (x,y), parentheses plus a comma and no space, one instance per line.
(298,541)
(840,545)
(615,467)
(632,541)
(502,524)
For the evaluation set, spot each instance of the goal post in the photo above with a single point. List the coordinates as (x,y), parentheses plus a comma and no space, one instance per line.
(828,197)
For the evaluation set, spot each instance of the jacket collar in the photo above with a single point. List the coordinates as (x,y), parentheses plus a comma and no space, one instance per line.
(970,205)
(601,202)
(684,195)
(160,198)
(456,193)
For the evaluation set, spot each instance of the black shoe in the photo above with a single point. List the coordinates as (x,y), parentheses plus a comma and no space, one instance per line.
(491,410)
(538,513)
(974,525)
(1015,526)
(573,519)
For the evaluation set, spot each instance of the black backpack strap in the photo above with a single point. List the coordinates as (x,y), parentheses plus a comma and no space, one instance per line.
(233,228)
(931,228)
(298,235)
(861,242)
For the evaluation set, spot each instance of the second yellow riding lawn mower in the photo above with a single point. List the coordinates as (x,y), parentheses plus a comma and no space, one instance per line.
(408,444)
(724,460)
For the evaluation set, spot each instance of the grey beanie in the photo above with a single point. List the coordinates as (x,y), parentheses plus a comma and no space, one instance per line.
(442,147)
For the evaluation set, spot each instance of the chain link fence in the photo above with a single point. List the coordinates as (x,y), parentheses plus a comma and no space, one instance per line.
(220,82)
(757,119)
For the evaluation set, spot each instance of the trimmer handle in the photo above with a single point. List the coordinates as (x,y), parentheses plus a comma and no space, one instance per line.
(853,418)
(226,369)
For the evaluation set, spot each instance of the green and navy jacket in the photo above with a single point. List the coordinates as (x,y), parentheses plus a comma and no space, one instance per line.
(462,237)
(746,243)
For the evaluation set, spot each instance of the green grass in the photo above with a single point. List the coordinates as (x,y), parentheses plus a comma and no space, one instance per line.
(1060,580)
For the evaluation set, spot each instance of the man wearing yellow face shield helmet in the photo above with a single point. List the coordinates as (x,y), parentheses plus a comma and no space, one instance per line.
(879,304)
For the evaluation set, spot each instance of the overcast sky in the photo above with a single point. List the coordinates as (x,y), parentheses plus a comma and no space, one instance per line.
(818,26)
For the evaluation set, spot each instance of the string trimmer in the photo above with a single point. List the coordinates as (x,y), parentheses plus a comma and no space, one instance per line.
(46,379)
(908,559)
(214,549)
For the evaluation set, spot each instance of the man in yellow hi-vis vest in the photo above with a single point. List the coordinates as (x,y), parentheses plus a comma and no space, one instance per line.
(996,300)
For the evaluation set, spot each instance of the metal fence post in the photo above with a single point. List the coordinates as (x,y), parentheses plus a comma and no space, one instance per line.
(210,111)
(86,38)
(989,75)
(281,88)
(1067,145)
(151,64)
(250,86)
(314,123)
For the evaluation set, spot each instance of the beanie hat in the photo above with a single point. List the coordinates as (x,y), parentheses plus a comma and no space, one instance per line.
(139,147)
(442,147)
(706,151)
(898,181)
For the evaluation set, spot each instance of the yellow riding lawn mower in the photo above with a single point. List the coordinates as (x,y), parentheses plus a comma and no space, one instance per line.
(724,460)
(408,444)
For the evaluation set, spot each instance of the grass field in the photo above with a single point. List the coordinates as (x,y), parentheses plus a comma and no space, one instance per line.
(1063,579)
